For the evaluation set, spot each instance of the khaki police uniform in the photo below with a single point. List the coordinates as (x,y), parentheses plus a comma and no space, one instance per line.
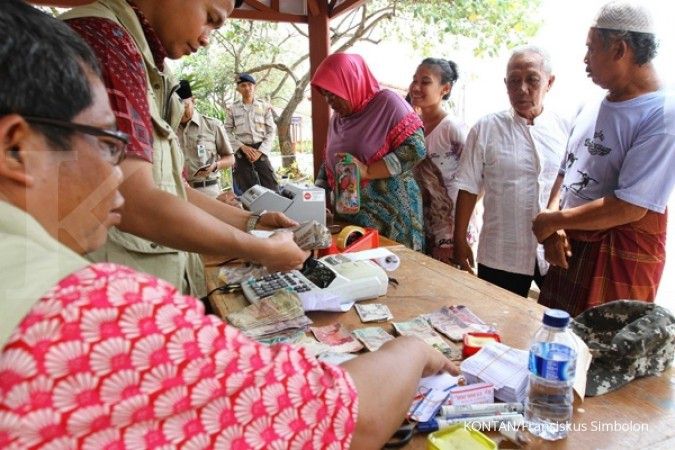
(252,125)
(203,141)
(184,270)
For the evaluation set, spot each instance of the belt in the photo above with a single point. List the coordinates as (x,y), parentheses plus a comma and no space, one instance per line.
(205,183)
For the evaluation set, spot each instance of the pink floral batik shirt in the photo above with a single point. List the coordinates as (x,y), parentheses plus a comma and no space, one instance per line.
(115,359)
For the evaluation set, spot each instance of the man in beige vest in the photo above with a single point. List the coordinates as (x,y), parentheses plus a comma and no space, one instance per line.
(163,219)
(204,143)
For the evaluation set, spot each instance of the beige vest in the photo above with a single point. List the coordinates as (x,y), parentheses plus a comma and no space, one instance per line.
(31,263)
(182,269)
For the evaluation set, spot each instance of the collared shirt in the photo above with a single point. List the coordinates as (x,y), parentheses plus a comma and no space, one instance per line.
(625,149)
(515,165)
(123,73)
(250,124)
(32,262)
(204,141)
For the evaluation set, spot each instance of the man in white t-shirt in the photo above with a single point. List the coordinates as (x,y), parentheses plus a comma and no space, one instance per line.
(606,228)
(512,158)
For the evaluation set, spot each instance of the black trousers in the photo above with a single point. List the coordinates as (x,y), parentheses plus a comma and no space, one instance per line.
(514,282)
(247,173)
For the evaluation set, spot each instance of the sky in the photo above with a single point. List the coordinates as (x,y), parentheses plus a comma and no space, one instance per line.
(480,89)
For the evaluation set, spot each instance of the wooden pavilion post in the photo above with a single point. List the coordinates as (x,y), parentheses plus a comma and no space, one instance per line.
(319,47)
(319,14)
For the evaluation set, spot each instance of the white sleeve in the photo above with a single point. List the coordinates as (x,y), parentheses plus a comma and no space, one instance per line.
(470,173)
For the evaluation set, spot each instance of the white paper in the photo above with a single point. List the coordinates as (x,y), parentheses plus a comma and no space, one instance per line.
(503,366)
(382,256)
(442,381)
(324,301)
(583,363)
(431,393)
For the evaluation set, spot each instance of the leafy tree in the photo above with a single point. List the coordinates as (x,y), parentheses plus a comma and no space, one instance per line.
(277,54)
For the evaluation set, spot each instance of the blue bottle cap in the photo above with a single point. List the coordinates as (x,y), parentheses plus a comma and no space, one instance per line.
(428,426)
(556,318)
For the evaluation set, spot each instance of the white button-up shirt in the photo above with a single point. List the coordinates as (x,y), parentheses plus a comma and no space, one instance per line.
(514,165)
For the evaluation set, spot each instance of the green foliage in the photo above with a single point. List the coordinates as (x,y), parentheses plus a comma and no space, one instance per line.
(490,25)
(242,46)
(277,54)
(226,178)
(293,172)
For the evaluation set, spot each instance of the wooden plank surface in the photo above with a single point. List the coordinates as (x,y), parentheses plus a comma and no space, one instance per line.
(645,408)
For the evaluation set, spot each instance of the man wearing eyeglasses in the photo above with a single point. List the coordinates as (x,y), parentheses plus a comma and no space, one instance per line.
(163,218)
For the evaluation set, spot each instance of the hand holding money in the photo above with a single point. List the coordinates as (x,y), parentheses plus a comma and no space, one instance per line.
(311,236)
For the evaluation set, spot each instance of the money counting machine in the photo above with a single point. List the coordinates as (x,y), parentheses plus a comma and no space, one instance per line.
(300,203)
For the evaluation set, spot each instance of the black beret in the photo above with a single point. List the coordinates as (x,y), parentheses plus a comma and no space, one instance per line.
(238,3)
(245,77)
(184,91)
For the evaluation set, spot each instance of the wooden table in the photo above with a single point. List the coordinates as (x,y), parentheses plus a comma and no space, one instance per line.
(645,406)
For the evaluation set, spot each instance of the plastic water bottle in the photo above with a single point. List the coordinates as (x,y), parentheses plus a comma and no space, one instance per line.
(348,184)
(553,360)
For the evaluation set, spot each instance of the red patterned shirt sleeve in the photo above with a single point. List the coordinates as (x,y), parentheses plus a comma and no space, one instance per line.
(124,76)
(113,358)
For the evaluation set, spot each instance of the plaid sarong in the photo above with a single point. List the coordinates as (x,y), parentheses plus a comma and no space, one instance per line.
(625,262)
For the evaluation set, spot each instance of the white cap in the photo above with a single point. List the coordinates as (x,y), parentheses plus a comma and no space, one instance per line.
(624,16)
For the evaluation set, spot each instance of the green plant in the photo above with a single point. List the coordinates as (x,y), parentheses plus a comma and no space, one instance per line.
(293,172)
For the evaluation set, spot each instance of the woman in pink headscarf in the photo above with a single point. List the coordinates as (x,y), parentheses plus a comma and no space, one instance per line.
(385,137)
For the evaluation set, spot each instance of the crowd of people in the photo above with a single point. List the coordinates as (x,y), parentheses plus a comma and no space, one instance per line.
(104,344)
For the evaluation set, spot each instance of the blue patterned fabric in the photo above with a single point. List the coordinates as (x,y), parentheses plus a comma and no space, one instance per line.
(394,205)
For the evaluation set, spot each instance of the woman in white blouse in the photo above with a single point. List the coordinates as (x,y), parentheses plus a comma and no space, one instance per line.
(444,136)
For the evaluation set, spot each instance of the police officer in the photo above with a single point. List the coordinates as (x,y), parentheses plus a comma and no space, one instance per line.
(251,129)
(205,145)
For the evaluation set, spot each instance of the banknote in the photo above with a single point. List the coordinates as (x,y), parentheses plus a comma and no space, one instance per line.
(420,328)
(279,330)
(279,307)
(456,321)
(373,312)
(236,272)
(294,336)
(372,337)
(312,346)
(312,235)
(466,315)
(338,337)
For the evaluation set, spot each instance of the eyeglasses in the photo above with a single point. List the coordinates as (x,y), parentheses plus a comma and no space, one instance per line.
(112,143)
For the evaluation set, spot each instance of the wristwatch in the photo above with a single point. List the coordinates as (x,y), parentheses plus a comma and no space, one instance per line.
(253,220)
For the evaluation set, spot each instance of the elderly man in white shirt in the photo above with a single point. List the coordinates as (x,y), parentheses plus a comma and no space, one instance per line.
(512,159)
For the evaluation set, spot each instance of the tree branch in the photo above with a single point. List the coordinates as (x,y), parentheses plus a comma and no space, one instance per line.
(278,66)
(299,30)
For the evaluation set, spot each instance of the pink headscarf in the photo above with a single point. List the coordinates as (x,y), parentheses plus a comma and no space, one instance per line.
(347,76)
(381,120)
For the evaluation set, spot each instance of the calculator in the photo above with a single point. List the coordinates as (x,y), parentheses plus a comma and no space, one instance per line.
(268,285)
(336,274)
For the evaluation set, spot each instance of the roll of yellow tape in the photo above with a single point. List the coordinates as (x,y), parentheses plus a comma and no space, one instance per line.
(348,235)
